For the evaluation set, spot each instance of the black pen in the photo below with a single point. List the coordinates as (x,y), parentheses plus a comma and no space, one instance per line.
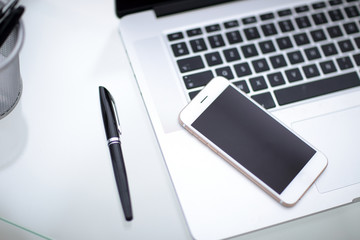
(9,23)
(8,8)
(113,132)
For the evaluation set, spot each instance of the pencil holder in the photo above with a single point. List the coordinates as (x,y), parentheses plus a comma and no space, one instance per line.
(10,79)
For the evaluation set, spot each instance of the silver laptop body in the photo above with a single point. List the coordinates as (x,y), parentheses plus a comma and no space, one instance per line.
(218,201)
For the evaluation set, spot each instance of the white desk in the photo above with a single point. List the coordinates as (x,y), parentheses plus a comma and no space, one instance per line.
(58,180)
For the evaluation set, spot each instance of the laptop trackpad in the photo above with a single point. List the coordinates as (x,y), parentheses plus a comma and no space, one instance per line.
(337,135)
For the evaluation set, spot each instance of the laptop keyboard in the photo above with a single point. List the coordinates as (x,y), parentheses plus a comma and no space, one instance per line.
(278,57)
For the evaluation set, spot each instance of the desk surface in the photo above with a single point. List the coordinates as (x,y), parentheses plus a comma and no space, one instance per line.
(56,177)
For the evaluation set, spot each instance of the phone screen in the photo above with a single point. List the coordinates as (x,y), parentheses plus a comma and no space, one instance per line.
(254,139)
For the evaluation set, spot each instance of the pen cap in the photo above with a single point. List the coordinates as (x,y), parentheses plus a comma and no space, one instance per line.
(109,113)
(10,79)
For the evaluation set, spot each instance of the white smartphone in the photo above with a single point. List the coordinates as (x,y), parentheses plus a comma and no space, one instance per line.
(253,141)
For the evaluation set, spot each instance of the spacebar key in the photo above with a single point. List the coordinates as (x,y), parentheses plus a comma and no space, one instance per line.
(317,88)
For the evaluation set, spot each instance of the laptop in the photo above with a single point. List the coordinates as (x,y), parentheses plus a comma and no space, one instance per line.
(299,59)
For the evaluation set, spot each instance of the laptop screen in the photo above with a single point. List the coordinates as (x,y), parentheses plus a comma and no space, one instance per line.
(161,7)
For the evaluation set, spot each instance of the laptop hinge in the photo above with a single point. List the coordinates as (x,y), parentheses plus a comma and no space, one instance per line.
(180,6)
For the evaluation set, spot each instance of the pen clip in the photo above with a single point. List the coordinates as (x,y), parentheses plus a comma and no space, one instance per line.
(7,8)
(116,114)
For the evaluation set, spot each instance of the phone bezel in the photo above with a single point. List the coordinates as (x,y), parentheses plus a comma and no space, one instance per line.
(297,187)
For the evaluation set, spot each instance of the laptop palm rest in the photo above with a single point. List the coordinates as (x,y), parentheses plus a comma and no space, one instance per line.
(329,133)
(165,91)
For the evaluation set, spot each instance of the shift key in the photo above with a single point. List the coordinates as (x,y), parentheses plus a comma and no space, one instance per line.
(190,64)
(198,79)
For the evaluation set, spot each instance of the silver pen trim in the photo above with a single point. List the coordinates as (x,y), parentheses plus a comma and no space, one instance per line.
(113,140)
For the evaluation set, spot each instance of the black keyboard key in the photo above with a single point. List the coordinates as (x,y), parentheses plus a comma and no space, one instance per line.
(311,71)
(260,65)
(345,46)
(285,12)
(336,15)
(357,41)
(198,45)
(213,59)
(175,36)
(231,54)
(225,72)
(329,49)
(352,11)
(303,22)
(212,28)
(190,64)
(268,46)
(318,5)
(249,20)
(357,59)
(216,41)
(318,35)
(193,94)
(278,61)
(194,32)
(269,29)
(197,79)
(301,39)
(251,33)
(242,85)
(231,24)
(267,16)
(295,57)
(319,18)
(334,31)
(284,43)
(293,75)
(258,83)
(286,26)
(276,79)
(316,88)
(303,8)
(234,37)
(249,50)
(351,28)
(265,100)
(335,2)
(179,49)
(242,69)
(344,63)
(328,67)
(312,53)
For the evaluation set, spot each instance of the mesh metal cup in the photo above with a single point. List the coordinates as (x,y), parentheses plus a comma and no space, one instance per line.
(10,79)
